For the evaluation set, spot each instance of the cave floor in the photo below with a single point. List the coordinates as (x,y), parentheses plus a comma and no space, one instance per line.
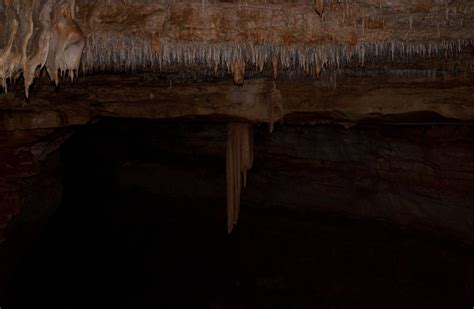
(174,252)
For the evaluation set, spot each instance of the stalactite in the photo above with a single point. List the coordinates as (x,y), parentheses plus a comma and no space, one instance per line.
(40,56)
(319,6)
(66,45)
(238,72)
(317,71)
(239,160)
(127,52)
(5,62)
(275,108)
(25,50)
(274,67)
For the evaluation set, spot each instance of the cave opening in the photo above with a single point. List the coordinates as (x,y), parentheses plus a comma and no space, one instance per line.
(365,216)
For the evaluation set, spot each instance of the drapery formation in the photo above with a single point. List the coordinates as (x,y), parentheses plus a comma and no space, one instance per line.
(239,161)
(36,34)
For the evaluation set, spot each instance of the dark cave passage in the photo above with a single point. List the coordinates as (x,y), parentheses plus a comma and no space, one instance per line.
(365,217)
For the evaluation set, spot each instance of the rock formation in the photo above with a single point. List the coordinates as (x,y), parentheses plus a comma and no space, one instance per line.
(37,34)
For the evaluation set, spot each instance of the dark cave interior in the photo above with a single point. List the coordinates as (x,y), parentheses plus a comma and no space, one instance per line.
(332,217)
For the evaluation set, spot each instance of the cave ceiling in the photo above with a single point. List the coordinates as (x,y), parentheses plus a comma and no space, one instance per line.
(313,61)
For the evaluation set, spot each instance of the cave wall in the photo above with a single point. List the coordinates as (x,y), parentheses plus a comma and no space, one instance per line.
(152,193)
(38,196)
(417,178)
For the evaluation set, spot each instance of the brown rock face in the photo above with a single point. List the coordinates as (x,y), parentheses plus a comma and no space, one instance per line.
(21,155)
(319,6)
(416,177)
(14,165)
(260,100)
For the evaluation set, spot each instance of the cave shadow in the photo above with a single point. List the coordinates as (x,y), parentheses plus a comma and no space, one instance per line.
(122,238)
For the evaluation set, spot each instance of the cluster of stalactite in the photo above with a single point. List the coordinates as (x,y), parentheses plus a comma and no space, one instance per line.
(305,36)
(323,36)
(239,161)
(123,52)
(37,34)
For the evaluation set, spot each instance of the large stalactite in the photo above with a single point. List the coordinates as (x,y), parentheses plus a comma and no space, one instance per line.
(239,161)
